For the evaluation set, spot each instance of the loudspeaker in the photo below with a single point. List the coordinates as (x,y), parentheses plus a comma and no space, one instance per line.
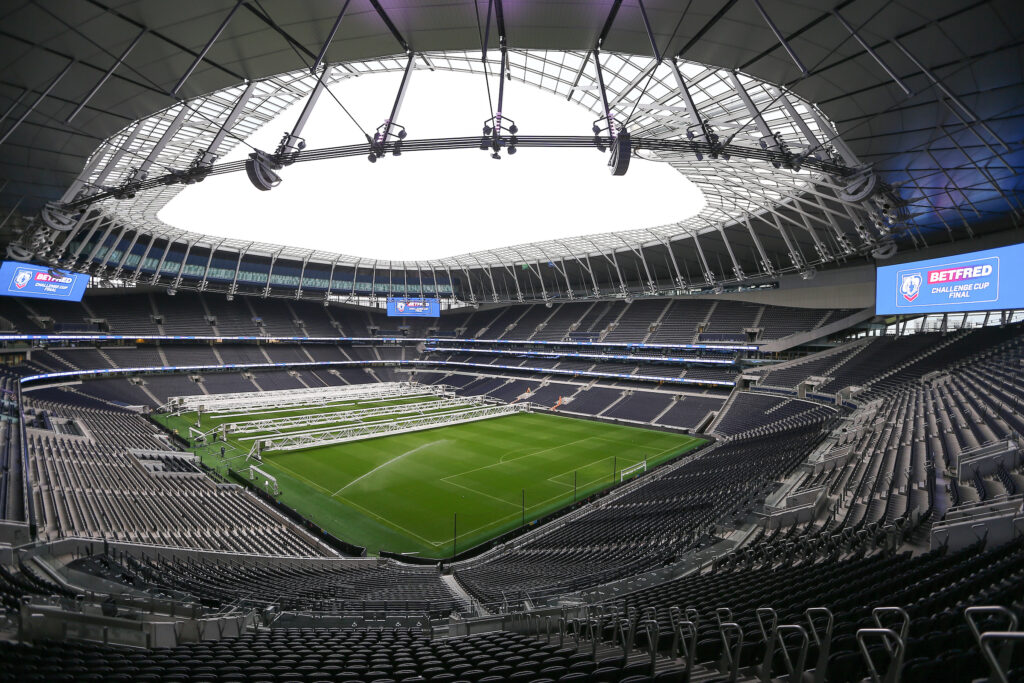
(258,168)
(622,149)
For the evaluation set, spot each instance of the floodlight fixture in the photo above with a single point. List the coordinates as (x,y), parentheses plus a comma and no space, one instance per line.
(385,132)
(391,128)
(493,139)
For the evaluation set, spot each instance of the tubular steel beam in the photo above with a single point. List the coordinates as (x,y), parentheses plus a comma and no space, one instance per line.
(290,145)
(390,25)
(165,139)
(778,36)
(650,33)
(396,108)
(874,55)
(119,153)
(697,37)
(330,38)
(202,53)
(956,100)
(609,20)
(105,77)
(604,97)
(211,153)
(42,96)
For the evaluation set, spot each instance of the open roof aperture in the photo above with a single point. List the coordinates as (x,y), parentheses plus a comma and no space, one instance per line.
(430,205)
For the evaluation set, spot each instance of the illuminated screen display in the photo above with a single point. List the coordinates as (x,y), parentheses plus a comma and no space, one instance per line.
(978,281)
(415,308)
(35,282)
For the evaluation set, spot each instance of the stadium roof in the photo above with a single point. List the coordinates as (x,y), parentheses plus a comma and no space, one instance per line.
(927,96)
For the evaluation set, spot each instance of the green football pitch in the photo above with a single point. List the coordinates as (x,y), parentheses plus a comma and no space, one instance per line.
(413,492)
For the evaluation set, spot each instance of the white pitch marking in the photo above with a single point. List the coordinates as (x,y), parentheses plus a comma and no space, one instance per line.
(388,462)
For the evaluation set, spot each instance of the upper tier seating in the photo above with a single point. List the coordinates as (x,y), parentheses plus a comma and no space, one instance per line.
(131,313)
(750,411)
(679,324)
(190,313)
(635,322)
(689,411)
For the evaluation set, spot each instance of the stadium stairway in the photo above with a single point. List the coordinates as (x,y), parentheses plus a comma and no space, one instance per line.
(466,601)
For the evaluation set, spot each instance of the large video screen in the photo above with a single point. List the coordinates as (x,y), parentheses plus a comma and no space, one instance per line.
(988,280)
(35,282)
(402,307)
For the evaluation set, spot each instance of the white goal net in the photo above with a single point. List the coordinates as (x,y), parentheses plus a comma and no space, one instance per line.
(627,472)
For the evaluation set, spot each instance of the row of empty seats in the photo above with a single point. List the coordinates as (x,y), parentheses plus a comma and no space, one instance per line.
(91,486)
(656,320)
(645,528)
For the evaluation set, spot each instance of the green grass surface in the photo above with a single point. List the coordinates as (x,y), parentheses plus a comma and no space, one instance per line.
(401,492)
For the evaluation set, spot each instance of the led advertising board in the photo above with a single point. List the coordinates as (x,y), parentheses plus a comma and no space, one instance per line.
(413,308)
(988,280)
(35,282)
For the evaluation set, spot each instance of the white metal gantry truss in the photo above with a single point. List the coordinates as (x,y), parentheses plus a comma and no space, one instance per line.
(279,425)
(747,199)
(371,430)
(285,398)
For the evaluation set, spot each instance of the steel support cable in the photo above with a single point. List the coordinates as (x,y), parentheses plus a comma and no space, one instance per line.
(691,147)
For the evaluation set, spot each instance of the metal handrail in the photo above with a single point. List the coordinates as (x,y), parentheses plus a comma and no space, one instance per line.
(996,663)
(971,614)
(894,644)
(823,642)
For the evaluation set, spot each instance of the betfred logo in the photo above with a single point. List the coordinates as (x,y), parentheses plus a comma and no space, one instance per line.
(958,274)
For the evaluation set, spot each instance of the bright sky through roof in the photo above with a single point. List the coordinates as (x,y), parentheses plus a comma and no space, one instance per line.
(426,205)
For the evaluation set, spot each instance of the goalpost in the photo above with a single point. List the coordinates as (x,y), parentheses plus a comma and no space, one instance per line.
(269,481)
(627,472)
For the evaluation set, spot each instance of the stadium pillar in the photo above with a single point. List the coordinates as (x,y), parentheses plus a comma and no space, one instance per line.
(614,463)
(524,507)
(455,534)
(574,473)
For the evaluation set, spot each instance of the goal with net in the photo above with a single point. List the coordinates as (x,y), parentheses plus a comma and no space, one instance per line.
(627,472)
